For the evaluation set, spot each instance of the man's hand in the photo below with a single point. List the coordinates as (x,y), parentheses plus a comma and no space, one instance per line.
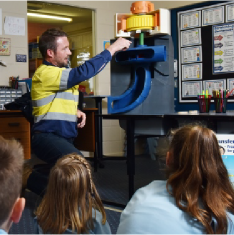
(118,45)
(81,119)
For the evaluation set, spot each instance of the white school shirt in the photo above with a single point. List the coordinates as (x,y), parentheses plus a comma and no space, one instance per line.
(3,231)
(152,210)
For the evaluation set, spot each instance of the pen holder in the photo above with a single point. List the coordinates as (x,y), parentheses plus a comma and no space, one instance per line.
(204,105)
(220,105)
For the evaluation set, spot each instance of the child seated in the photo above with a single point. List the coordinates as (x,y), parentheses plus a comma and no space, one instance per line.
(11,168)
(197,197)
(71,203)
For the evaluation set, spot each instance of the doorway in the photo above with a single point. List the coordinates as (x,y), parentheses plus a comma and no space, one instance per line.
(77,22)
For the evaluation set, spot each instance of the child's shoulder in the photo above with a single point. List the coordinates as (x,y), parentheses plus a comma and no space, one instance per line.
(99,228)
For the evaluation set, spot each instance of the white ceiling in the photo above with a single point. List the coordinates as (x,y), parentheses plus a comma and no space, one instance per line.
(77,14)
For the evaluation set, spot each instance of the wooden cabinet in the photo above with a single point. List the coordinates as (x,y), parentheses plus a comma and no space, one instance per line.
(85,140)
(33,65)
(14,125)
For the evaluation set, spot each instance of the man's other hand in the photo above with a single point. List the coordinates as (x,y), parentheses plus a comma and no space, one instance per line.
(81,119)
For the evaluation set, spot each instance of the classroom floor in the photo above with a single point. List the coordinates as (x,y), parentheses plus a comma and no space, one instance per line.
(112,185)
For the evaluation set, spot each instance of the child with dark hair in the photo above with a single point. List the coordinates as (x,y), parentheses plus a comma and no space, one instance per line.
(71,203)
(197,196)
(11,168)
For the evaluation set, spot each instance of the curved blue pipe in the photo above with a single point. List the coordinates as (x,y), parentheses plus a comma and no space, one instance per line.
(141,55)
(135,95)
(140,89)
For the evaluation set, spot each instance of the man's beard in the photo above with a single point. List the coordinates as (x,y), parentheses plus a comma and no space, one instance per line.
(62,64)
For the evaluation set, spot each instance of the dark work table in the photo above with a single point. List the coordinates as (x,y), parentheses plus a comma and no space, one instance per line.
(211,118)
(211,115)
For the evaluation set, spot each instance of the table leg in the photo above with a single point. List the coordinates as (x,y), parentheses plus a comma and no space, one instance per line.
(99,132)
(130,155)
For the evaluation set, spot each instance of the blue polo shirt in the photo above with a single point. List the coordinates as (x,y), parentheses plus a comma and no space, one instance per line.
(3,231)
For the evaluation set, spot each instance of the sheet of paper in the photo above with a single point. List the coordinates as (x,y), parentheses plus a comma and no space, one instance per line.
(14,26)
(230,13)
(191,54)
(213,16)
(191,20)
(191,89)
(230,85)
(190,37)
(192,71)
(0,21)
(211,85)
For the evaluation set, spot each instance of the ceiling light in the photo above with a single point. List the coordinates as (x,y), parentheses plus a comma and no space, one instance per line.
(49,16)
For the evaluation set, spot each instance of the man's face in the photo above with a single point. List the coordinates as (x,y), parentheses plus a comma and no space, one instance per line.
(60,57)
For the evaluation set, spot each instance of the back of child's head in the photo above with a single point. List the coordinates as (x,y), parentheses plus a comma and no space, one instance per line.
(11,168)
(197,172)
(69,198)
(195,147)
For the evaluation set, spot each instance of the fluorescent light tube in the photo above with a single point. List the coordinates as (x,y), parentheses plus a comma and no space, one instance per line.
(49,16)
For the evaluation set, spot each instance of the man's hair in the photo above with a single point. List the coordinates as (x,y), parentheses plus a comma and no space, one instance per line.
(198,177)
(48,40)
(70,197)
(11,168)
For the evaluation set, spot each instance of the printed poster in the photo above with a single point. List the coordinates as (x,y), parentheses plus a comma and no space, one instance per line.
(191,20)
(230,85)
(0,21)
(226,147)
(106,44)
(229,13)
(14,26)
(190,37)
(213,16)
(191,89)
(192,71)
(211,85)
(5,46)
(223,48)
(191,54)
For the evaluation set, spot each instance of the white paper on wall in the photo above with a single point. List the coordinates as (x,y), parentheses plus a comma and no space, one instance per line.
(0,21)
(14,26)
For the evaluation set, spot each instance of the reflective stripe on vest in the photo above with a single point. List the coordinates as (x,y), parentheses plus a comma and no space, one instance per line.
(56,116)
(59,95)
(64,78)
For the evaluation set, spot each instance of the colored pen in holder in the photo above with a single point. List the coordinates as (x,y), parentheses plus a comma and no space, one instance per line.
(204,103)
(220,105)
(220,99)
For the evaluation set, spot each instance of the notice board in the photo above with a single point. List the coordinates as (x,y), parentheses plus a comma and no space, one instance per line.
(205,50)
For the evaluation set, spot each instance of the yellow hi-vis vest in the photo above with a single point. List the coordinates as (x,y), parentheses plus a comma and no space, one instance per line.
(52,101)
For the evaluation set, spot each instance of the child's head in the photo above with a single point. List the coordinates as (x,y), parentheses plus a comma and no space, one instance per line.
(70,197)
(193,147)
(11,167)
(197,172)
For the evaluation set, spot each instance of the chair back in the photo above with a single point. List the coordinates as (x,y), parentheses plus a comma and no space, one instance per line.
(28,82)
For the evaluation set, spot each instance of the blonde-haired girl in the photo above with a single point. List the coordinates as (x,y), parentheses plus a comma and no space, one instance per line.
(71,203)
